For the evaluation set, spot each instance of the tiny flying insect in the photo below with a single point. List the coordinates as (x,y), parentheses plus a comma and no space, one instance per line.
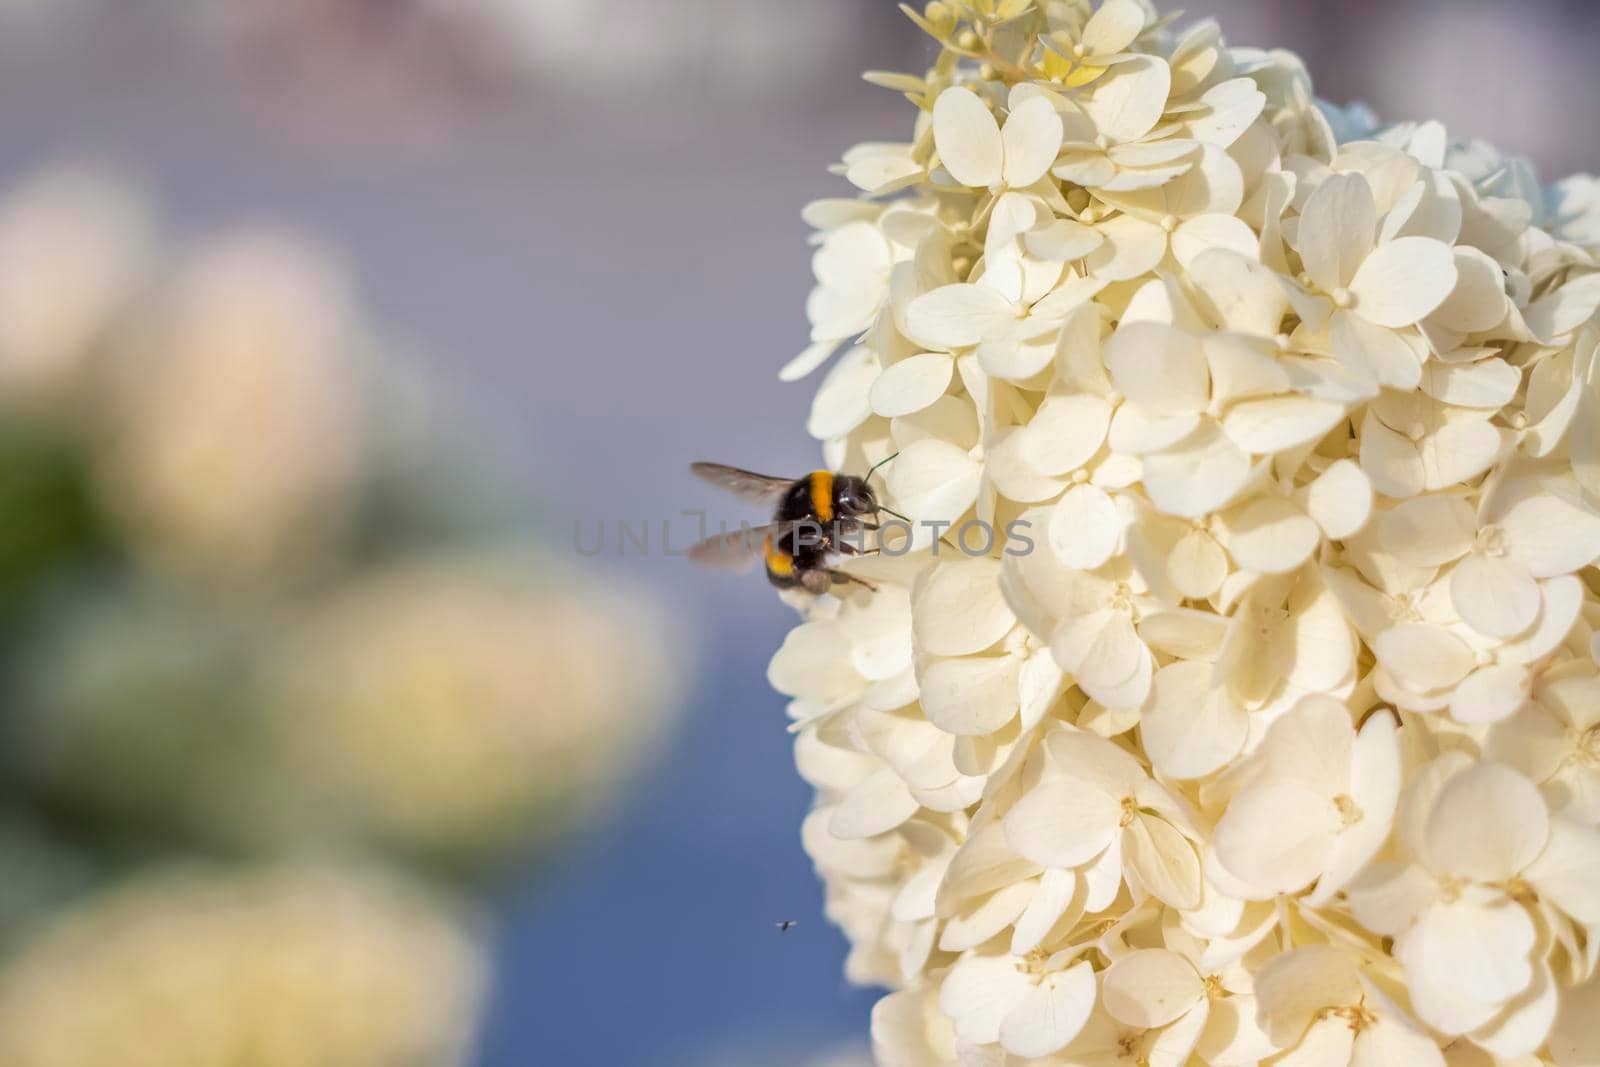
(813,519)
(785,925)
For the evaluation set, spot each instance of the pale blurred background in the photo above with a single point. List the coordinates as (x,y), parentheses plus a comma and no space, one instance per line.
(324,748)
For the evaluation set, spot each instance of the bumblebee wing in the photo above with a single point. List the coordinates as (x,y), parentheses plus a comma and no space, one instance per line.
(756,488)
(737,549)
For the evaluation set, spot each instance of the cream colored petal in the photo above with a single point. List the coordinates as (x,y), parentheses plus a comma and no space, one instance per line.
(1403,281)
(1191,729)
(1488,824)
(1048,1017)
(1149,988)
(1062,823)
(911,384)
(1464,960)
(1270,535)
(1495,596)
(1277,837)
(957,608)
(1338,226)
(967,138)
(1162,862)
(970,697)
(1429,530)
(1085,528)
(1032,137)
(1127,101)
(1340,500)
(1205,474)
(1567,872)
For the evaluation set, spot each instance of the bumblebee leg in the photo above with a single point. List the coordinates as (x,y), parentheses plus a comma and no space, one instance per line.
(841,578)
(816,581)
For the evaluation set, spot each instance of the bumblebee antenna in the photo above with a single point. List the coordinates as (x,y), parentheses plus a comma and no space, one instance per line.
(870,473)
(875,467)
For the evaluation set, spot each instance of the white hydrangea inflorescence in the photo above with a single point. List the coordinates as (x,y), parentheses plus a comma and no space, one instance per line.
(1275,735)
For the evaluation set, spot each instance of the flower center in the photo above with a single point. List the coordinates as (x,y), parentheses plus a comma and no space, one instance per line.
(1343,297)
(1033,963)
(1122,599)
(1283,342)
(1587,750)
(1130,808)
(1214,988)
(1169,222)
(1356,1016)
(1491,541)
(1349,811)
(1522,892)
(1403,608)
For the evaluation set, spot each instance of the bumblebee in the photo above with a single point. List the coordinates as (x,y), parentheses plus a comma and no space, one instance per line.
(814,518)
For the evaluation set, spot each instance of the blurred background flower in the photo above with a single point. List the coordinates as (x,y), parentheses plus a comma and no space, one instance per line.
(580,223)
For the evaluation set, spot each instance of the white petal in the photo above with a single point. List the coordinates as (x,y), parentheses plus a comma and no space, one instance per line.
(1162,862)
(874,807)
(1197,565)
(1239,293)
(1270,535)
(1191,729)
(1478,301)
(1523,1027)
(1213,232)
(1050,1015)
(1559,313)
(1150,988)
(1294,986)
(933,480)
(1429,530)
(1206,473)
(1490,694)
(967,138)
(1387,1041)
(1567,873)
(1403,281)
(1487,383)
(1085,528)
(1277,837)
(1132,247)
(1487,824)
(957,608)
(1340,500)
(1423,657)
(1113,28)
(1390,460)
(1464,960)
(970,697)
(841,402)
(1497,597)
(956,316)
(1374,352)
(1127,101)
(911,384)
(1032,137)
(1062,822)
(1055,893)
(1066,432)
(1375,779)
(979,992)
(1337,228)
(1575,1040)
(813,357)
(1063,241)
(1550,536)
(1280,422)
(1459,452)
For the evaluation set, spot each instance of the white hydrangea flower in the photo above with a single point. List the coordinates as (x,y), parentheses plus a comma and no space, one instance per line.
(1272,737)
